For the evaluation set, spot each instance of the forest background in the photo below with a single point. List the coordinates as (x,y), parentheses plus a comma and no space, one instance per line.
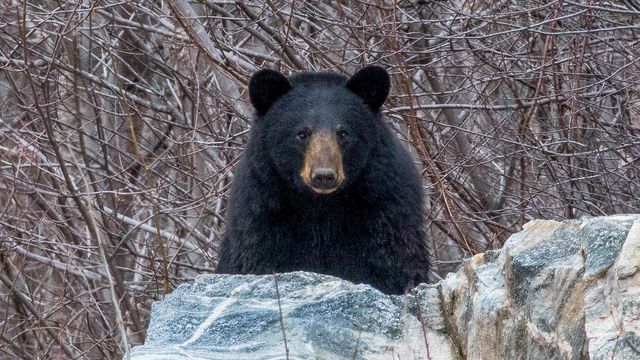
(121,121)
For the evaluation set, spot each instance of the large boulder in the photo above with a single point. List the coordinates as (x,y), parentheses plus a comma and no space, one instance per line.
(557,290)
(309,315)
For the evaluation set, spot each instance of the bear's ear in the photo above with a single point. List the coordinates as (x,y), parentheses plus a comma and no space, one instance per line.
(371,83)
(265,87)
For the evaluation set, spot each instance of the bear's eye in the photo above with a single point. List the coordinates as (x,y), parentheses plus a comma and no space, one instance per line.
(303,134)
(342,134)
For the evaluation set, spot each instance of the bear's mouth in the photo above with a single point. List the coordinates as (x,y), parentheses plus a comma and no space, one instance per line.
(324,191)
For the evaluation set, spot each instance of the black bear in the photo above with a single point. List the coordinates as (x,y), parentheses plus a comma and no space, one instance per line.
(324,186)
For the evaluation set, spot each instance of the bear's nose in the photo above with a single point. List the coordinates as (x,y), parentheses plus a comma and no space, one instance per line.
(324,178)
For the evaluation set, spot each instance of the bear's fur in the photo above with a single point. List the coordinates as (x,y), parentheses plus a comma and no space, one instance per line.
(324,185)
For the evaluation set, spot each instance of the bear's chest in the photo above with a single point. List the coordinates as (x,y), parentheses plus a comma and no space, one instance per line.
(338,231)
(341,241)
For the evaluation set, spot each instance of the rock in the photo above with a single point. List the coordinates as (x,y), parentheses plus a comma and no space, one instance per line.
(323,317)
(557,290)
(613,299)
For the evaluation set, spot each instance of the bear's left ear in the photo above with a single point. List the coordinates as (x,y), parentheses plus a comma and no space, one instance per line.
(371,83)
(265,87)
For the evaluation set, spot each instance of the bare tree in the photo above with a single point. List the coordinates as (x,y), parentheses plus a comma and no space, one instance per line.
(120,124)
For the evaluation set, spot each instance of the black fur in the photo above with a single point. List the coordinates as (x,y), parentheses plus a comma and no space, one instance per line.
(265,87)
(370,230)
(372,84)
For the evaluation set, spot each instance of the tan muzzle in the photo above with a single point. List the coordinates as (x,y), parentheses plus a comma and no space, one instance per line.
(322,170)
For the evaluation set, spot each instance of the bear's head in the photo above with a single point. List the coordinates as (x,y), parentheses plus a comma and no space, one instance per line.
(317,129)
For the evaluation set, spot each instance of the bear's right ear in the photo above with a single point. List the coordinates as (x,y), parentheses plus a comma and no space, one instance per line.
(265,87)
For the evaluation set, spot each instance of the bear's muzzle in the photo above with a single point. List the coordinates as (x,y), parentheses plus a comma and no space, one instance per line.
(322,169)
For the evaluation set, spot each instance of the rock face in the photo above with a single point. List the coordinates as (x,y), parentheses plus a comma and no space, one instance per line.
(557,290)
(567,290)
(323,317)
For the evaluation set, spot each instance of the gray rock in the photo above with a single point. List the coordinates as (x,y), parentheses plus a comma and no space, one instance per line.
(323,317)
(557,290)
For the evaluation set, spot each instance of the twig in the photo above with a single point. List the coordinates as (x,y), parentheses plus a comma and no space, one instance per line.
(27,303)
(284,335)
(422,324)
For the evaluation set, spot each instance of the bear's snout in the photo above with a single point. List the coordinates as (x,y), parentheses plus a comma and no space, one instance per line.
(324,178)
(322,169)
